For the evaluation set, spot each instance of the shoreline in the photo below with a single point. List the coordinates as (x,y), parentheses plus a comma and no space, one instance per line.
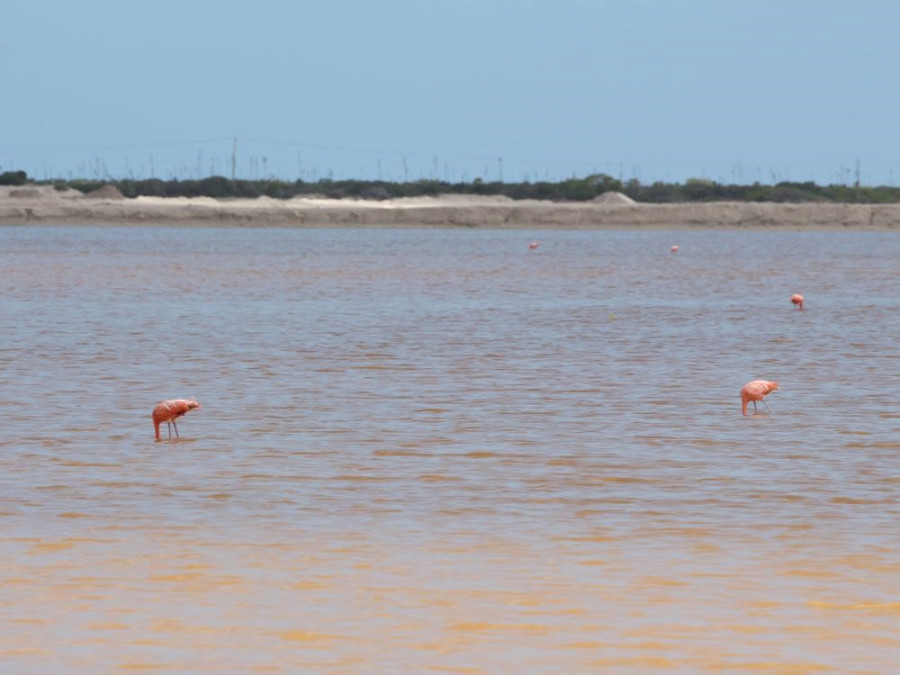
(41,205)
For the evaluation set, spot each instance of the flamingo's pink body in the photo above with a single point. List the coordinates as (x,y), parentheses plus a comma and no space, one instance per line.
(533,245)
(757,390)
(674,249)
(797,299)
(171,410)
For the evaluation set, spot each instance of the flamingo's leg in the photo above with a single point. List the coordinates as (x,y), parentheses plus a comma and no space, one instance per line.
(176,429)
(767,406)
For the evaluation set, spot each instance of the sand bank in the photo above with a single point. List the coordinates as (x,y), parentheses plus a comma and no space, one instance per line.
(42,205)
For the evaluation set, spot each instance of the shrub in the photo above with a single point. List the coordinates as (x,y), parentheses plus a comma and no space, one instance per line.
(13,178)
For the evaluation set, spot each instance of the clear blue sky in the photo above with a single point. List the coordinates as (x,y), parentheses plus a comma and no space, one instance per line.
(538,89)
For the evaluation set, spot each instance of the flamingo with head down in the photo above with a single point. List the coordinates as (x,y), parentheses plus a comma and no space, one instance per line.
(757,390)
(171,410)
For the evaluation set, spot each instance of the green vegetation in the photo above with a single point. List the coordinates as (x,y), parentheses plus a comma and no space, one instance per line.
(569,190)
(13,178)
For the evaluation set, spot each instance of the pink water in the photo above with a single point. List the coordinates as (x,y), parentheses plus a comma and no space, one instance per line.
(438,451)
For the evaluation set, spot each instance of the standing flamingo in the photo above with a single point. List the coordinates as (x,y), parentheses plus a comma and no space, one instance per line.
(169,411)
(756,391)
(797,299)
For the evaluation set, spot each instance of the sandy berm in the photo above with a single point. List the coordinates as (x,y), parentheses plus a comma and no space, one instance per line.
(44,205)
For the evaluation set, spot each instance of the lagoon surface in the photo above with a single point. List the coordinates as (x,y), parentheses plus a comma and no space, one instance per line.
(440,451)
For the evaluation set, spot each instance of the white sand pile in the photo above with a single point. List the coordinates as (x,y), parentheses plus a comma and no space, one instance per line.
(425,202)
(612,197)
(180,201)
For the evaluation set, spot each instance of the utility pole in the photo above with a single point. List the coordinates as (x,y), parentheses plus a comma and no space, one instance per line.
(234,160)
(857,180)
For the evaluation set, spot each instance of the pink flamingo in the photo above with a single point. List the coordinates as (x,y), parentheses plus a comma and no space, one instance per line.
(674,249)
(533,245)
(797,299)
(171,410)
(757,390)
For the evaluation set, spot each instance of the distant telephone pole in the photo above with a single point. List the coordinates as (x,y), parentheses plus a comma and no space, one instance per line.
(234,159)
(857,180)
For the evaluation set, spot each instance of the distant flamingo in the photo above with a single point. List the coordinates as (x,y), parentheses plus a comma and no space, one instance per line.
(674,249)
(169,411)
(757,390)
(797,299)
(533,245)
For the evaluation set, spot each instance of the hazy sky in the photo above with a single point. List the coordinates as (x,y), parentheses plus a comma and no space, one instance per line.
(520,89)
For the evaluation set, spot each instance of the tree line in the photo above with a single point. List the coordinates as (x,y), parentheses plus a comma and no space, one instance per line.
(568,190)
